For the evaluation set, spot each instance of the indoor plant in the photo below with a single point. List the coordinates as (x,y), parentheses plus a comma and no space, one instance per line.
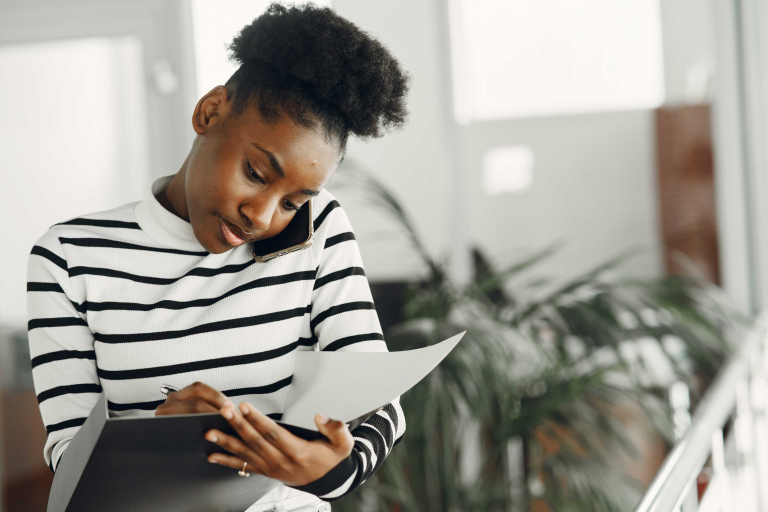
(531,407)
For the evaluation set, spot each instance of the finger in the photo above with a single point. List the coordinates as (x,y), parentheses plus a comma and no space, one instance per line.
(199,406)
(184,407)
(238,450)
(337,433)
(254,439)
(200,390)
(231,461)
(276,435)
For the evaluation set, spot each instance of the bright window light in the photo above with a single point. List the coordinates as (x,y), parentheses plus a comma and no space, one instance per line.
(507,169)
(521,58)
(215,24)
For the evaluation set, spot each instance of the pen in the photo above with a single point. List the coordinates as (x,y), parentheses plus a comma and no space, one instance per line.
(167,388)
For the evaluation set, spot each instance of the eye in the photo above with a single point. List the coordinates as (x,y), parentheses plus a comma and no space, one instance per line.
(254,176)
(290,206)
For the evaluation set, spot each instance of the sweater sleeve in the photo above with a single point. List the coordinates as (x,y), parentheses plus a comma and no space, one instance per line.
(61,348)
(344,318)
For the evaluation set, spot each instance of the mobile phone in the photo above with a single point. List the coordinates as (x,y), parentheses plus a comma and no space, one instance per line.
(297,235)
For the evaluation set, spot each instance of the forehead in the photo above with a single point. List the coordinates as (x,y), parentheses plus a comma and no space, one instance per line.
(303,153)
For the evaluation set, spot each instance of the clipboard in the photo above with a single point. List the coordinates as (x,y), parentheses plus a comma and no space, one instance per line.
(136,464)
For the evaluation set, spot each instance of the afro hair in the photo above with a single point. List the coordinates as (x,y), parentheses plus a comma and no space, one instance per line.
(314,65)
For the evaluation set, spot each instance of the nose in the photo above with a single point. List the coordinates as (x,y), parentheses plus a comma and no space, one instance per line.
(258,213)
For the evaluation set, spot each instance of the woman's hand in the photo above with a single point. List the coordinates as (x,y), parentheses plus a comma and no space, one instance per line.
(272,451)
(195,398)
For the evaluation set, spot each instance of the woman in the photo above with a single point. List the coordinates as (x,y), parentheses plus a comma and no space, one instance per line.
(166,290)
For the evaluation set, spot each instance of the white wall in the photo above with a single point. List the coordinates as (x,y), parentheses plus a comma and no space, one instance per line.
(594,188)
(688,39)
(594,178)
(414,162)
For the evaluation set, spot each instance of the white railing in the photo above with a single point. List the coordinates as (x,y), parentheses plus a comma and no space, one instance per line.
(737,463)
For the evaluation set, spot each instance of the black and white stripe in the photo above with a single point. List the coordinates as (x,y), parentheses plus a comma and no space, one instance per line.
(125,300)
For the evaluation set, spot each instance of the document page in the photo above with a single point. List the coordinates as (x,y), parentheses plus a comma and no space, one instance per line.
(346,385)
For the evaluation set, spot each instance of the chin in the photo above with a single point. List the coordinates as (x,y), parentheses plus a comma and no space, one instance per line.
(211,243)
(221,250)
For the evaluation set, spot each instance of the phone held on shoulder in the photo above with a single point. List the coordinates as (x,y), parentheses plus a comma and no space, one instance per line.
(297,235)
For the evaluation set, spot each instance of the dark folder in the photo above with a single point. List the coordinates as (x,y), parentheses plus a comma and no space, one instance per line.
(152,463)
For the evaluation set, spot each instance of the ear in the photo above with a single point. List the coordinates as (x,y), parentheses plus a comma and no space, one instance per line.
(210,109)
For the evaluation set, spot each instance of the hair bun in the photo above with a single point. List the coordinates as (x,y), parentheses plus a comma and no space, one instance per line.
(341,64)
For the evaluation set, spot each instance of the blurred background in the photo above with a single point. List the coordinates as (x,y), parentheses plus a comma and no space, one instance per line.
(582,129)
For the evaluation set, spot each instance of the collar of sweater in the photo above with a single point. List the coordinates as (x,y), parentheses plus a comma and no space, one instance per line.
(162,225)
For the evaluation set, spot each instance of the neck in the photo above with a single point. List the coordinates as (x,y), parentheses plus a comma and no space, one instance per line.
(173,198)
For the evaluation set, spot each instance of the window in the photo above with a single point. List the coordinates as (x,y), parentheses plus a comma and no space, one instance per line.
(520,58)
(65,157)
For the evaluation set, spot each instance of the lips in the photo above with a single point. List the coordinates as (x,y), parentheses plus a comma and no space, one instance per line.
(229,229)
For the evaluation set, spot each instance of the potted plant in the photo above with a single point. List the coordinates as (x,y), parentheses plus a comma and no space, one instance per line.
(532,408)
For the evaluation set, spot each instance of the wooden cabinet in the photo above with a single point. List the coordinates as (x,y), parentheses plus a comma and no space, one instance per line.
(686,189)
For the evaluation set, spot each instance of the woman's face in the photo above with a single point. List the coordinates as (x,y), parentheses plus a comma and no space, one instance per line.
(250,175)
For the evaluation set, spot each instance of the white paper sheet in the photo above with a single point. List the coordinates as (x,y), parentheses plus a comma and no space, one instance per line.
(346,385)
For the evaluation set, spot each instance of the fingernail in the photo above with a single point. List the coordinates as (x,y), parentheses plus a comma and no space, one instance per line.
(213,438)
(228,414)
(213,462)
(244,408)
(322,419)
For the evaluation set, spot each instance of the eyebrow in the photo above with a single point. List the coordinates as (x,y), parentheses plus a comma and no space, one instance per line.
(279,170)
(272,160)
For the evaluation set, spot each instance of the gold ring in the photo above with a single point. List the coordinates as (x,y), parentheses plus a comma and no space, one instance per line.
(242,472)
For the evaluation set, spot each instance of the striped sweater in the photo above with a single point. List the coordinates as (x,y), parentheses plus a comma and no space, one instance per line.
(127,299)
